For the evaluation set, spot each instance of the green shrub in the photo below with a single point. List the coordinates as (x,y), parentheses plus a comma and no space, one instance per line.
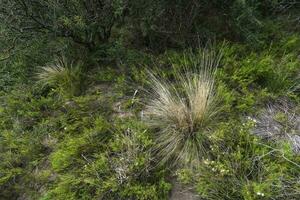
(107,162)
(254,79)
(244,167)
(24,130)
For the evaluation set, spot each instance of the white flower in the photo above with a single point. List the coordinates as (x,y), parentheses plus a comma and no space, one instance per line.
(206,161)
(260,194)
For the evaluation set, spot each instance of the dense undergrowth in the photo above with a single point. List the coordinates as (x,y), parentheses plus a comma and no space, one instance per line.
(86,117)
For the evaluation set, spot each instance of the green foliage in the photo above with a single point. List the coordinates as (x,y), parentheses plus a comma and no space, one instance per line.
(106,162)
(243,167)
(85,22)
(21,60)
(156,23)
(72,151)
(24,129)
(257,77)
(93,143)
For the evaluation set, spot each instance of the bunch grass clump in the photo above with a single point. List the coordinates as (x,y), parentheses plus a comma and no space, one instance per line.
(183,110)
(62,75)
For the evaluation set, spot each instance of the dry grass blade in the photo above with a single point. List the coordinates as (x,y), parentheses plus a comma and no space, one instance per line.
(184,109)
(63,76)
(54,73)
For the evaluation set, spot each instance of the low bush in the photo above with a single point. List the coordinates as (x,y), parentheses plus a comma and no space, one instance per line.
(74,149)
(244,167)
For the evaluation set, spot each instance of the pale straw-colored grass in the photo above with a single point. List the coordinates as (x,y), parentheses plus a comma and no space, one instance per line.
(55,73)
(183,110)
(62,75)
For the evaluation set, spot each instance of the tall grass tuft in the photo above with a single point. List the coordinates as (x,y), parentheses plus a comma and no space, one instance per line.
(62,75)
(183,110)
